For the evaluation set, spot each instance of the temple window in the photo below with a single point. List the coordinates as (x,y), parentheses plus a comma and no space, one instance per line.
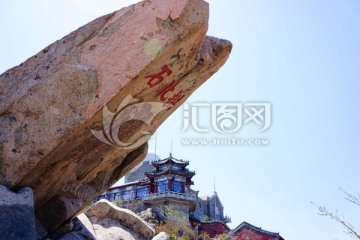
(177,186)
(112,197)
(141,192)
(162,186)
(118,196)
(129,195)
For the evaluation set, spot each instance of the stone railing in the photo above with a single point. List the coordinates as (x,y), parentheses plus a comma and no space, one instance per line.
(169,194)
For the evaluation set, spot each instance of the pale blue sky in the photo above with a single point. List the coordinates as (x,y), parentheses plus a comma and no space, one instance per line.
(301,56)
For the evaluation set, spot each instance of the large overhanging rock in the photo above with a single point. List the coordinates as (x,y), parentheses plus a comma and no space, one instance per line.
(76,117)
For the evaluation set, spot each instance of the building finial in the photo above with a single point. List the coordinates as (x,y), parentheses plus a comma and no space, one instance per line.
(155,145)
(214,185)
(171,148)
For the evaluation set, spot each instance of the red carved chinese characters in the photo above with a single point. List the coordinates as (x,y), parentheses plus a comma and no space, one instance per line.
(158,76)
(175,98)
(167,88)
(164,92)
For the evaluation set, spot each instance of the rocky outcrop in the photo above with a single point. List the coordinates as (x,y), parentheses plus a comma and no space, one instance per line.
(76,117)
(109,229)
(162,236)
(104,209)
(17,219)
(105,221)
(82,230)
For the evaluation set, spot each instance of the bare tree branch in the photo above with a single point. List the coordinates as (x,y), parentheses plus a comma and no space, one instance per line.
(349,228)
(351,198)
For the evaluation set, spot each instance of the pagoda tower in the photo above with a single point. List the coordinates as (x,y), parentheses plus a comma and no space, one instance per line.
(170,182)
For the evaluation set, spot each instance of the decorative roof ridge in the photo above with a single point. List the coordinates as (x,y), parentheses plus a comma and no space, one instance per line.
(170,158)
(257,229)
(169,170)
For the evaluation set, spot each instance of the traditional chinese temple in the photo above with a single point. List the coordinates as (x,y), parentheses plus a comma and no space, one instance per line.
(167,182)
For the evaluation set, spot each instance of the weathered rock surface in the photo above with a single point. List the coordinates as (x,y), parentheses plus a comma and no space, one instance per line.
(53,104)
(109,229)
(17,218)
(105,221)
(162,236)
(103,209)
(82,230)
(149,216)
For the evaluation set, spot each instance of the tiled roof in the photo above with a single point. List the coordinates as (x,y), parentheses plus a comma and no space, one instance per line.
(245,225)
(210,222)
(169,171)
(170,159)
